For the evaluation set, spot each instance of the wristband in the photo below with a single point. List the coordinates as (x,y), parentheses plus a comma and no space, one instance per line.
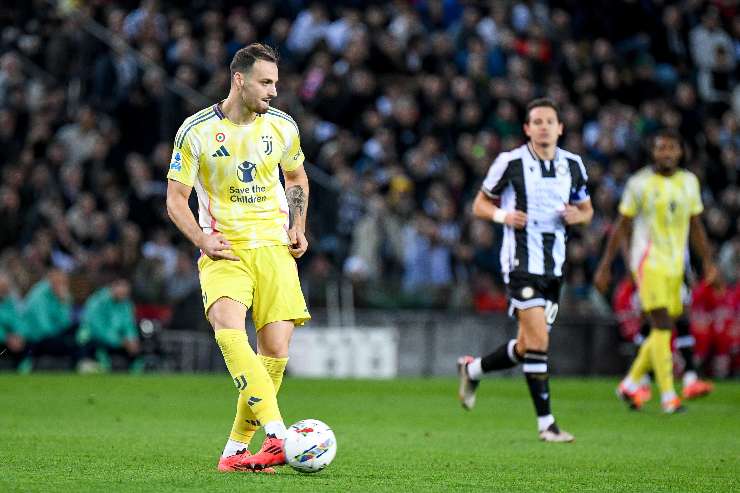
(499,216)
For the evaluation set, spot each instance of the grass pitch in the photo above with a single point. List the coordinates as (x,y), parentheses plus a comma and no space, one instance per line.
(165,433)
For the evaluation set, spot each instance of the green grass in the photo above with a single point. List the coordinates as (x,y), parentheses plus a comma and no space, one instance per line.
(164,433)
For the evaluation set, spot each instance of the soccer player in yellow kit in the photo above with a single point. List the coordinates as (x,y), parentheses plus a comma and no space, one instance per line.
(660,208)
(249,231)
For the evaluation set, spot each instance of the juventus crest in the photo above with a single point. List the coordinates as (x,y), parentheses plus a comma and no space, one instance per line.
(267,140)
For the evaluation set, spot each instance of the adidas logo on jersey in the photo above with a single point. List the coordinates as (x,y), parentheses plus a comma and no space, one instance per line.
(221,152)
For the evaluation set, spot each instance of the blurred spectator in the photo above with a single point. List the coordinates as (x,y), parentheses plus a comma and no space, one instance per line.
(10,342)
(146,23)
(708,38)
(46,320)
(11,75)
(729,260)
(108,327)
(80,138)
(716,83)
(488,296)
(401,106)
(364,262)
(182,293)
(114,77)
(183,281)
(11,220)
(714,324)
(427,260)
(670,46)
(309,28)
(161,250)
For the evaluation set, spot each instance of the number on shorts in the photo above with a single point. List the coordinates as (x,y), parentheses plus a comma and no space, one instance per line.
(551,312)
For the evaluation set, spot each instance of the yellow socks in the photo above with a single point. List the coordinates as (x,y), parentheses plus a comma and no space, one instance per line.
(662,359)
(275,368)
(655,353)
(245,422)
(256,389)
(643,361)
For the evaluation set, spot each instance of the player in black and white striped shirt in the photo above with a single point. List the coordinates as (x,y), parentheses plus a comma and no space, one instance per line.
(542,191)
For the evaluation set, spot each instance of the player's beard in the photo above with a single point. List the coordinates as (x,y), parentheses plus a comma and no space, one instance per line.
(254,104)
(261,107)
(546,142)
(665,167)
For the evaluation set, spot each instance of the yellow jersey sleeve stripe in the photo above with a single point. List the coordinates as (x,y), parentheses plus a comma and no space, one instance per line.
(190,119)
(187,123)
(284,116)
(279,112)
(194,123)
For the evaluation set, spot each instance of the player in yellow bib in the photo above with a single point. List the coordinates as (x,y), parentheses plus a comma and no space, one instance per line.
(249,230)
(661,208)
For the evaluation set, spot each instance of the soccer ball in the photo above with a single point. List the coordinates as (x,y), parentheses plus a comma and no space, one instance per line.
(310,445)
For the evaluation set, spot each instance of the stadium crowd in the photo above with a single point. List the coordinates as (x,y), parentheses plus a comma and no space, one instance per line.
(401,105)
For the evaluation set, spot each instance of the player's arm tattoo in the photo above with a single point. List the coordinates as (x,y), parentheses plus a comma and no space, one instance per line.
(296,203)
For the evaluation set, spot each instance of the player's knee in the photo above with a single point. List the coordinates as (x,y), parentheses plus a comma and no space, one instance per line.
(274,347)
(274,339)
(539,343)
(532,338)
(531,342)
(218,319)
(521,345)
(226,313)
(274,351)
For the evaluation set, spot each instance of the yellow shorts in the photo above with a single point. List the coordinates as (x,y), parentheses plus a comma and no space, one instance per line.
(266,280)
(659,290)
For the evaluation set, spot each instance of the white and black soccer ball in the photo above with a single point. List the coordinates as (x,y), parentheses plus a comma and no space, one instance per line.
(310,445)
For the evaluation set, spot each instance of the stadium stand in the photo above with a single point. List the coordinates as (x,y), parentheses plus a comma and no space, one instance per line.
(401,106)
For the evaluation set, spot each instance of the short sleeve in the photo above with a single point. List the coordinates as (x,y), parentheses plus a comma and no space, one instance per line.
(497,177)
(293,156)
(629,206)
(184,162)
(579,187)
(695,206)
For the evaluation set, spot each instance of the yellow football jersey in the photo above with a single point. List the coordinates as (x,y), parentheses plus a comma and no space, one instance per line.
(662,207)
(234,170)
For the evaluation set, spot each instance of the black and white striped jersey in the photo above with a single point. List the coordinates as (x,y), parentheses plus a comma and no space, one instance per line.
(540,189)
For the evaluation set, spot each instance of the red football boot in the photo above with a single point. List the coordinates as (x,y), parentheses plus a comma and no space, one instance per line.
(698,388)
(633,399)
(231,463)
(645,393)
(271,454)
(673,406)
